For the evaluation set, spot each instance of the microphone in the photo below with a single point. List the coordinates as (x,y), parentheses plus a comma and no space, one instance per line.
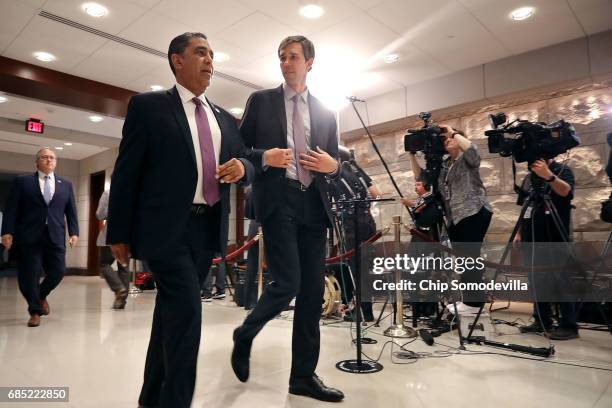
(426,337)
(354,99)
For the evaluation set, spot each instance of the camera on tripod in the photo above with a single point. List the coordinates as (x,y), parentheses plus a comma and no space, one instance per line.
(427,139)
(529,141)
(430,141)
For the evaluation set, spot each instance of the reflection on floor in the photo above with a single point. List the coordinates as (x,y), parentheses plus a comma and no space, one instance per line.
(99,353)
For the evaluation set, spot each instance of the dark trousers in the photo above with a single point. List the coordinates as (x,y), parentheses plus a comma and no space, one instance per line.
(117,279)
(550,285)
(43,256)
(295,253)
(467,237)
(250,285)
(542,314)
(170,369)
(204,276)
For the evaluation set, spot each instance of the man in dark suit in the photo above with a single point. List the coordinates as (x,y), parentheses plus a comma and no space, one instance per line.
(169,206)
(34,221)
(293,141)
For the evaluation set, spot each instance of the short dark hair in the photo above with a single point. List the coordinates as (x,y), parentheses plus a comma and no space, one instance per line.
(307,45)
(179,43)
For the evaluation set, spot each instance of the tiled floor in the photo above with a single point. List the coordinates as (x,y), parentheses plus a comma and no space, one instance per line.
(99,354)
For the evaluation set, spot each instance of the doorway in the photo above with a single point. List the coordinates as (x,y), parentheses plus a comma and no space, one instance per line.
(96,188)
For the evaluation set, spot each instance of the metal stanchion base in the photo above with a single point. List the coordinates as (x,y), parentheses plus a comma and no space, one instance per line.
(134,290)
(356,367)
(400,331)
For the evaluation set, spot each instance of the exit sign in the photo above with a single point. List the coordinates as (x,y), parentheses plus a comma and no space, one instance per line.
(34,126)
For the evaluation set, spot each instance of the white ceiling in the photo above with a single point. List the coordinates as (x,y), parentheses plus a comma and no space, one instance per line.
(20,108)
(30,144)
(75,121)
(434,38)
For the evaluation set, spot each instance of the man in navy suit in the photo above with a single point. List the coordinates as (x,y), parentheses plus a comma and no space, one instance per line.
(34,221)
(169,206)
(294,144)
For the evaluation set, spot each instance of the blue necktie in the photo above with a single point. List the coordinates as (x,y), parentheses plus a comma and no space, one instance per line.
(47,190)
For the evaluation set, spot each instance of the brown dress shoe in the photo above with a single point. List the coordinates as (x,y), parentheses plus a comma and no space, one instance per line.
(34,321)
(45,307)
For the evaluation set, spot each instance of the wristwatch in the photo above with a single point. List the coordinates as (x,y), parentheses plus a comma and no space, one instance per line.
(551,179)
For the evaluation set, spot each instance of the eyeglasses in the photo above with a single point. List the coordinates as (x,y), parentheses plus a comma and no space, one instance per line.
(50,158)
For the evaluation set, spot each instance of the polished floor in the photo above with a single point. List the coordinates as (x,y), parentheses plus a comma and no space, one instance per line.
(99,353)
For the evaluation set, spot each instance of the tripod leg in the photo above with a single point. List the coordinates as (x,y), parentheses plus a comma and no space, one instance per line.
(469,336)
(377,323)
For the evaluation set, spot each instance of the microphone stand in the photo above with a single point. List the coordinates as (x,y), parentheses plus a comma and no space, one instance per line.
(358,365)
(384,163)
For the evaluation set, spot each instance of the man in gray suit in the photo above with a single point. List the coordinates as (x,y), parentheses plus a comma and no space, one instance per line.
(118,280)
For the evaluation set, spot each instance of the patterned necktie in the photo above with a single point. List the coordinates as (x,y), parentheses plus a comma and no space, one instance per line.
(299,142)
(47,190)
(207,150)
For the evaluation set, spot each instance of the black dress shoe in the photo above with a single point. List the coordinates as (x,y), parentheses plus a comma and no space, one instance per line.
(313,387)
(534,327)
(563,333)
(240,358)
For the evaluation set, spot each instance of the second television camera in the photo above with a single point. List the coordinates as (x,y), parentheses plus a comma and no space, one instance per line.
(529,141)
(427,139)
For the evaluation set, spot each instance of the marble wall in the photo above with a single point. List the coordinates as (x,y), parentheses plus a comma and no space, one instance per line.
(589,111)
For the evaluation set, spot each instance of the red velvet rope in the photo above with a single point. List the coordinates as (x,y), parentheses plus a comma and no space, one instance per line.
(351,253)
(230,257)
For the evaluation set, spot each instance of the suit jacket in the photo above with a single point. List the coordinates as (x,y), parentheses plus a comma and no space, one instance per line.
(27,213)
(264,126)
(155,176)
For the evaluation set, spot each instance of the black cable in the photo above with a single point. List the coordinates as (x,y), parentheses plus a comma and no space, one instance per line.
(542,360)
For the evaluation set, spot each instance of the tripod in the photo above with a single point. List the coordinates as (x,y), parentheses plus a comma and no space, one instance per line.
(603,255)
(537,196)
(352,208)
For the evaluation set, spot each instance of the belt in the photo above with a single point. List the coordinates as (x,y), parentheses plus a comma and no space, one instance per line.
(296,184)
(201,209)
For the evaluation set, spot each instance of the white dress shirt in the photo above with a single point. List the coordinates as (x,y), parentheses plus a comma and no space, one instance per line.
(41,182)
(189,106)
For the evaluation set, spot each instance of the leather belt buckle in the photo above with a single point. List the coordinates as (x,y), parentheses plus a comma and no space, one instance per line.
(198,209)
(296,184)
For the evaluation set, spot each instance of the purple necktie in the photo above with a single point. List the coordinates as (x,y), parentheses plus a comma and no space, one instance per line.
(209,163)
(299,142)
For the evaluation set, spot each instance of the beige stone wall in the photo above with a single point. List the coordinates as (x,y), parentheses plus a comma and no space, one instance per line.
(589,111)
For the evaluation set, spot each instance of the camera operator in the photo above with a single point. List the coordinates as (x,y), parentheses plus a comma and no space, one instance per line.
(467,210)
(354,183)
(537,225)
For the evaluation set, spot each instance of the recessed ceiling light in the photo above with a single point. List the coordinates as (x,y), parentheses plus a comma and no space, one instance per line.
(59,148)
(236,111)
(522,13)
(3,99)
(44,56)
(95,9)
(311,11)
(391,58)
(67,143)
(156,87)
(96,118)
(221,57)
